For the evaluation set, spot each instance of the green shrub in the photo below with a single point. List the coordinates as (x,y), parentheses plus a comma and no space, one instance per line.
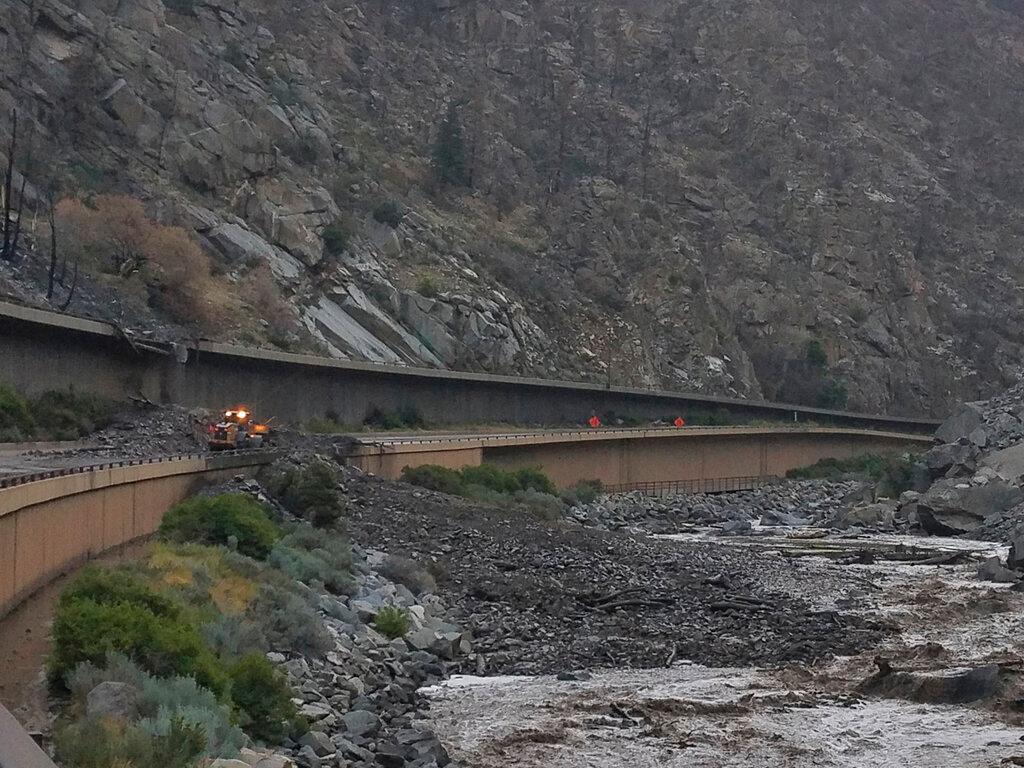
(84,630)
(288,621)
(391,621)
(407,572)
(324,426)
(719,417)
(312,493)
(484,482)
(434,478)
(110,586)
(159,701)
(336,238)
(891,473)
(833,394)
(816,355)
(406,417)
(583,492)
(175,741)
(543,505)
(96,742)
(428,286)
(230,636)
(66,415)
(230,518)
(389,212)
(532,478)
(263,699)
(491,477)
(16,420)
(310,554)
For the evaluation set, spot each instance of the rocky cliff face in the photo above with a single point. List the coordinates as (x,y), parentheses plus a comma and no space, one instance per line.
(778,198)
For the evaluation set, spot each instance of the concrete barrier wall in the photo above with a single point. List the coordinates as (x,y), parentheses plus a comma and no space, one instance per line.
(48,527)
(43,350)
(17,750)
(627,462)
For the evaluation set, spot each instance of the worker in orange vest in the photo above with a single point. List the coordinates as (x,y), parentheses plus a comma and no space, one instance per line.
(680,421)
(594,422)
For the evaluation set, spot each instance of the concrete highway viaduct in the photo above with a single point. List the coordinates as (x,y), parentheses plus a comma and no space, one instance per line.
(693,459)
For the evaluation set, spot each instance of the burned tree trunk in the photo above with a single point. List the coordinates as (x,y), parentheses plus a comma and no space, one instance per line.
(5,251)
(52,273)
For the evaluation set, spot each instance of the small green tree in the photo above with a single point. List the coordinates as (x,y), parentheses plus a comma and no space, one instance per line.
(816,355)
(450,151)
(833,394)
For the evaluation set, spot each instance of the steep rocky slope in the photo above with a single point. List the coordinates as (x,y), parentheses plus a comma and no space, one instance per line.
(777,198)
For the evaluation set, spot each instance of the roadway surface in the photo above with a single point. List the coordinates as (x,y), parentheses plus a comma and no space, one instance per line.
(505,437)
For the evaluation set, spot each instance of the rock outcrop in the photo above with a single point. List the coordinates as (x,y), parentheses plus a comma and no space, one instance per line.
(647,205)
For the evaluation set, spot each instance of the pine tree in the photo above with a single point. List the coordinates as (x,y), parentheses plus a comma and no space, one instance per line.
(450,151)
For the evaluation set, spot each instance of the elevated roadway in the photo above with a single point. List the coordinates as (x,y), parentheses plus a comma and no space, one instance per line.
(691,458)
(42,350)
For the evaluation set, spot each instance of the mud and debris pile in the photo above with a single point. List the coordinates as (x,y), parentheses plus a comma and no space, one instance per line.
(545,596)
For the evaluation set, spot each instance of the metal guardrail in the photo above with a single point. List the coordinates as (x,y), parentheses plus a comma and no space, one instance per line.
(710,485)
(379,440)
(15,480)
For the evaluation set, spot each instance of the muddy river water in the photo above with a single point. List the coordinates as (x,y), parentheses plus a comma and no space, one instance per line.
(947,621)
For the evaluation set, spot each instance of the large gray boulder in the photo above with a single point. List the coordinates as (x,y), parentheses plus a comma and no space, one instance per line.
(360,722)
(994,570)
(1016,557)
(952,507)
(878,515)
(112,699)
(967,418)
(942,458)
(1008,463)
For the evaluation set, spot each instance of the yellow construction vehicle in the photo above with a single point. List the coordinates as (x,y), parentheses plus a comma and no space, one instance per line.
(236,430)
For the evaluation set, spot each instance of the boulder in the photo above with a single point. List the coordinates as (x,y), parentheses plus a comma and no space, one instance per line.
(239,245)
(318,742)
(1016,557)
(774,517)
(256,759)
(307,758)
(959,457)
(736,527)
(1008,464)
(964,420)
(360,722)
(950,507)
(994,570)
(112,699)
(391,755)
(877,515)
